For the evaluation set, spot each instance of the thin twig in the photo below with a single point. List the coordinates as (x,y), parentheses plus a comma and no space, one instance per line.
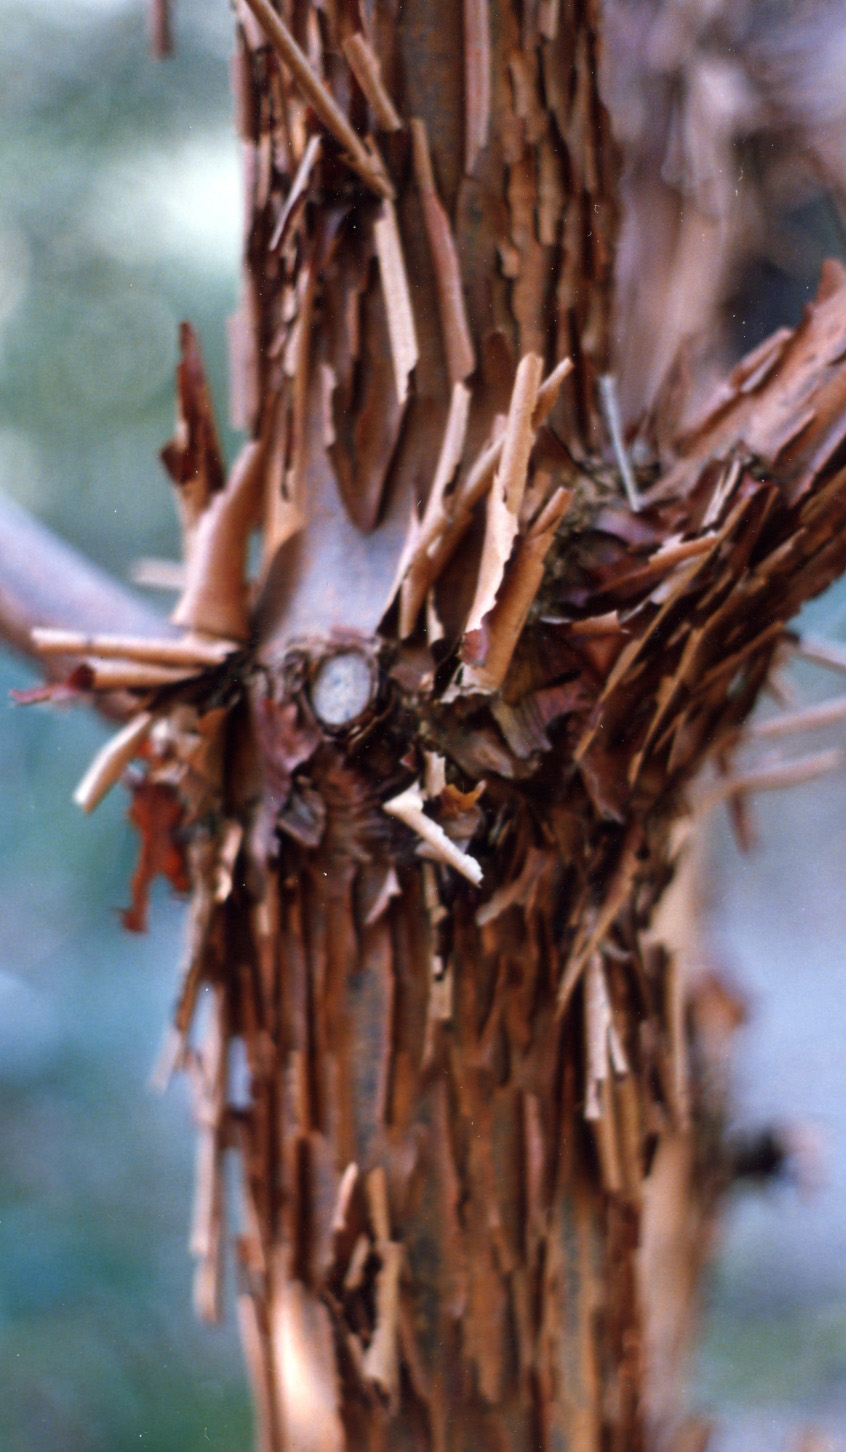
(343,1198)
(773,778)
(789,723)
(377,1201)
(189,651)
(593,932)
(604,1051)
(611,413)
(826,653)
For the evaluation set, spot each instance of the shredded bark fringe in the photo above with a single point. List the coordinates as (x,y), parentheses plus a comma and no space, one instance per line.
(427,1001)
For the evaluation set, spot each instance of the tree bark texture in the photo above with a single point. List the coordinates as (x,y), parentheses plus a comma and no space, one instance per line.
(423,772)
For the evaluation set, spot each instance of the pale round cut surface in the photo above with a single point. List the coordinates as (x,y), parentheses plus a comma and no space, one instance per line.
(342,688)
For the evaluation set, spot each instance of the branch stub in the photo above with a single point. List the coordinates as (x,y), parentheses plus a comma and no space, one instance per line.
(342,688)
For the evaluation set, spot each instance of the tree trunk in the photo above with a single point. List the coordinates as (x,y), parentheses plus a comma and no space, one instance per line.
(426,1211)
(427,767)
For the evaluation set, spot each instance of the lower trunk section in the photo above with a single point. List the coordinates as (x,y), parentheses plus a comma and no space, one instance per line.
(442,1171)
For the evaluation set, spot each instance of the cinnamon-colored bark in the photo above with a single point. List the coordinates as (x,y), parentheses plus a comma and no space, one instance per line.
(429,793)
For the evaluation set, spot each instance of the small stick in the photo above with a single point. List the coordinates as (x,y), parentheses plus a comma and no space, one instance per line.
(519,432)
(189,651)
(773,778)
(611,412)
(826,653)
(723,489)
(358,1259)
(318,95)
(549,391)
(258,1359)
(809,718)
(604,1050)
(408,808)
(364,65)
(109,764)
(594,933)
(127,675)
(207,1192)
(397,294)
(665,559)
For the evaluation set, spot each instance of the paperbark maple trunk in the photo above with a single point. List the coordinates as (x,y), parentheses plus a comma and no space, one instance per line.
(428,766)
(434,1258)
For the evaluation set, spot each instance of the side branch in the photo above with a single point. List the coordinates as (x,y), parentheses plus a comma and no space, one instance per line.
(44,582)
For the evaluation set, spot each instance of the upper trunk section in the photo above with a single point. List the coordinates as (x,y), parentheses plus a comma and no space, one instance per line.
(361,311)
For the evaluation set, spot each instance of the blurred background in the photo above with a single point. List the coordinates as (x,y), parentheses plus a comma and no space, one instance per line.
(120,215)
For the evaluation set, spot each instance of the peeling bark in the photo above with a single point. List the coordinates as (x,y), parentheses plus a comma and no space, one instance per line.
(429,790)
